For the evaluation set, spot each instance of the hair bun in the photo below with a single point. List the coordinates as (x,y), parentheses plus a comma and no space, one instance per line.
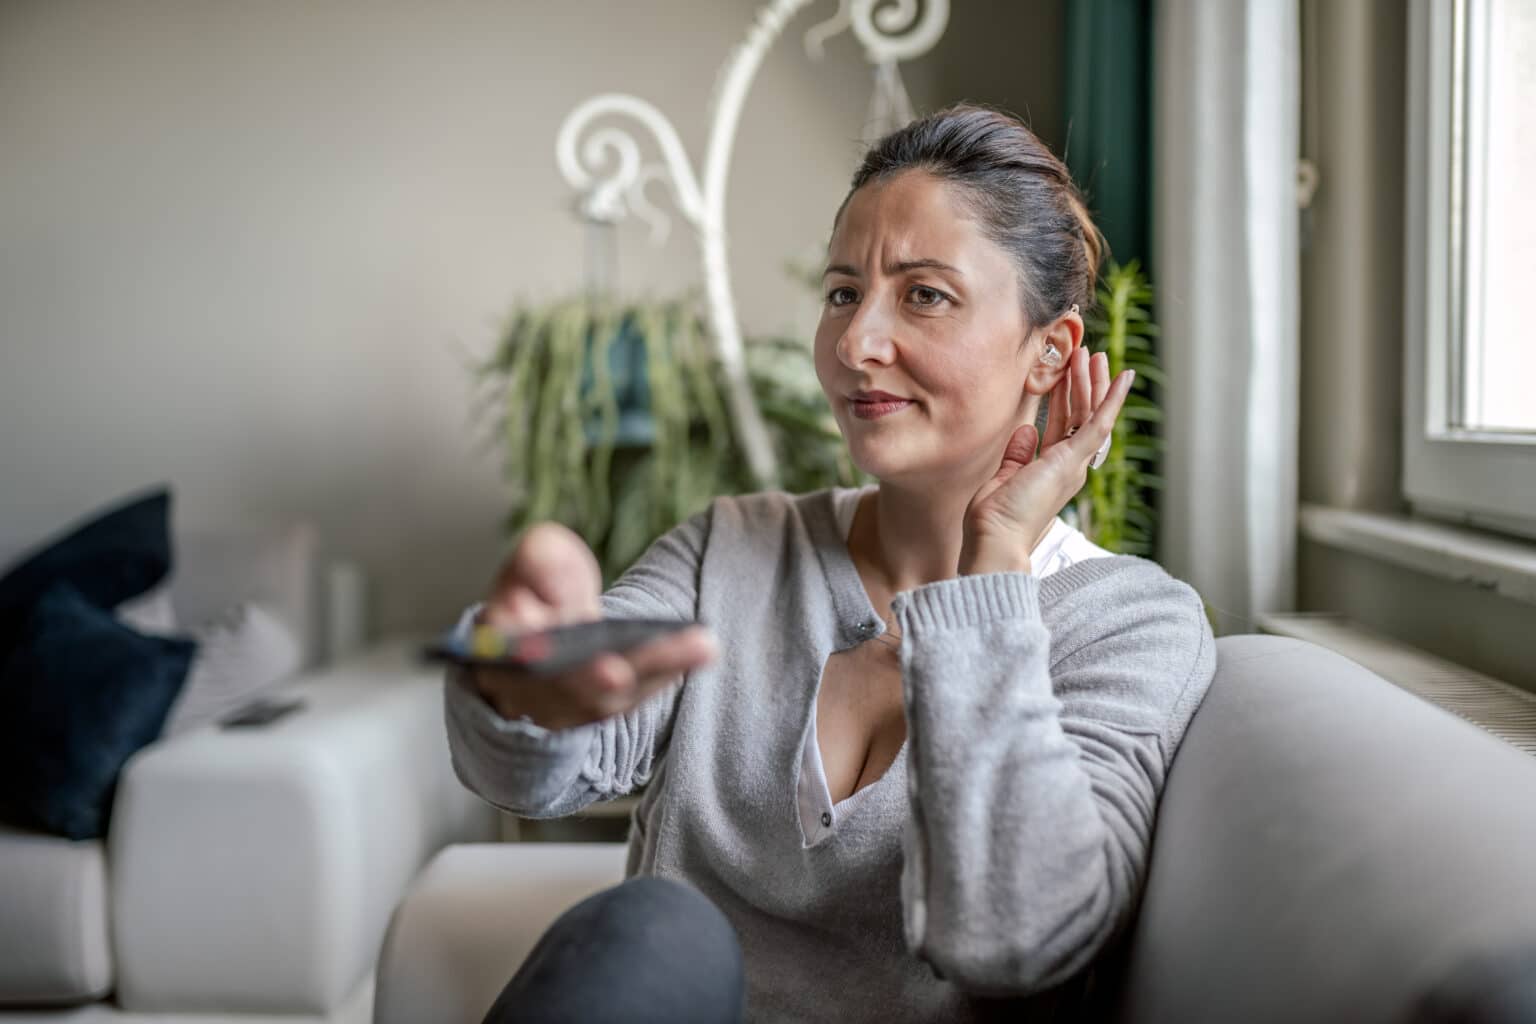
(1094,242)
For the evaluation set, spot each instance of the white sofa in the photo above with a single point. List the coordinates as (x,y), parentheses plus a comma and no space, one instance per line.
(1329,848)
(248,875)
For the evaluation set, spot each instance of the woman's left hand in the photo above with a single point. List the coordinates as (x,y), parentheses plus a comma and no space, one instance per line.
(1012,511)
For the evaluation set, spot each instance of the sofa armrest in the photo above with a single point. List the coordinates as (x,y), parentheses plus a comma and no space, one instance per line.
(473,916)
(1330,847)
(255,869)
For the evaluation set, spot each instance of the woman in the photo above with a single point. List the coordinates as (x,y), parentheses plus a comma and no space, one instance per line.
(913,763)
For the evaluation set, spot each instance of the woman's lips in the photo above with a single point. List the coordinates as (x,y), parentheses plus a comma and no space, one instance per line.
(874,409)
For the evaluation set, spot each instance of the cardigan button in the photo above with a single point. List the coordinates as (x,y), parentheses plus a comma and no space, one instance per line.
(826,819)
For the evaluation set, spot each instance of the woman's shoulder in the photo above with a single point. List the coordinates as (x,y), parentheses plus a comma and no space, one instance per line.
(752,508)
(749,532)
(1115,592)
(757,509)
(1127,606)
(1131,578)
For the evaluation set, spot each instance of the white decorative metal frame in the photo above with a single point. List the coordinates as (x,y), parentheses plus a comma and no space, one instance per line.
(893,33)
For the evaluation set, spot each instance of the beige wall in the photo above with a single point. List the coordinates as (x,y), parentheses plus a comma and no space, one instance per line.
(1352,347)
(243,246)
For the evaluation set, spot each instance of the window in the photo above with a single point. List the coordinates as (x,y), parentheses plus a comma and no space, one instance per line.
(1470,381)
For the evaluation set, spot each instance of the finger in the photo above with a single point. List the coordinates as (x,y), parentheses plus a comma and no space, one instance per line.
(1018,453)
(554,563)
(605,685)
(1056,412)
(1082,389)
(1020,450)
(1100,378)
(601,687)
(648,686)
(516,608)
(614,682)
(670,655)
(1087,441)
(659,664)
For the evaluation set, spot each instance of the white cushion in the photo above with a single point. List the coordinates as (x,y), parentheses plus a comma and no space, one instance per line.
(53,919)
(240,654)
(276,567)
(151,613)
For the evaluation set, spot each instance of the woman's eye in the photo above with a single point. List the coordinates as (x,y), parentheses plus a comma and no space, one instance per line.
(925,296)
(840,296)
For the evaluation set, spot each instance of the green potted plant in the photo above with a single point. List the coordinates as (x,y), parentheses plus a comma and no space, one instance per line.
(596,404)
(1115,508)
(612,419)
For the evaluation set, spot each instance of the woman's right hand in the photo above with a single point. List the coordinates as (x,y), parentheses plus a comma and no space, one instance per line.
(552,578)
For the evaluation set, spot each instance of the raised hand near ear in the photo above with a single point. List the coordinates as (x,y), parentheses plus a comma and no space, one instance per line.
(1011,512)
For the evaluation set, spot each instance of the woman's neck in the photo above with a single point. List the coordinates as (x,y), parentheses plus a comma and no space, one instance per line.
(908,533)
(907,537)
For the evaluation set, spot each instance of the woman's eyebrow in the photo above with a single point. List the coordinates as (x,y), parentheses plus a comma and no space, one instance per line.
(896,268)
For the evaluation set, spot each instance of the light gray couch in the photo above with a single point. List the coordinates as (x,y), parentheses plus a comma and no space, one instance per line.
(1328,848)
(248,875)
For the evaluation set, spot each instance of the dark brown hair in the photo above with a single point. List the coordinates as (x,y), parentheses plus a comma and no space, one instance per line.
(1018,190)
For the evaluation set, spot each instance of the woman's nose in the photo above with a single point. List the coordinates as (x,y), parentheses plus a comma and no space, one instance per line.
(866,339)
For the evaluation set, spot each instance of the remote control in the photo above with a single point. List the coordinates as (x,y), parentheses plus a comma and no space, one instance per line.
(549,651)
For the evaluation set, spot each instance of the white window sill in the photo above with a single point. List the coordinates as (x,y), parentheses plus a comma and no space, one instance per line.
(1505,566)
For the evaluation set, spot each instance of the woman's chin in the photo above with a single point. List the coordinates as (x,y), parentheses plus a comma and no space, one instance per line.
(892,455)
(896,463)
(883,462)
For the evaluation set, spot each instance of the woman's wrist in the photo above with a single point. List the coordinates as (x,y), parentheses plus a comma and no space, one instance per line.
(998,550)
(986,559)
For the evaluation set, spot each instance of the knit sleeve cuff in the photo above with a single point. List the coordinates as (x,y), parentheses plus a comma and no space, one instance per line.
(964,601)
(475,711)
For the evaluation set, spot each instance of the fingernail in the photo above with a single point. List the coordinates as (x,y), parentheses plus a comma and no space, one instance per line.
(1133,376)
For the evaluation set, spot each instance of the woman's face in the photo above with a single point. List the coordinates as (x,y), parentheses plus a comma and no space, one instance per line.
(920,305)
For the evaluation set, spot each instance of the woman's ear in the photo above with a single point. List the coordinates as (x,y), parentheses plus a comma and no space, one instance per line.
(1053,346)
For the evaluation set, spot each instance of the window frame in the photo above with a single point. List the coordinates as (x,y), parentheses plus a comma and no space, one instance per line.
(1481,478)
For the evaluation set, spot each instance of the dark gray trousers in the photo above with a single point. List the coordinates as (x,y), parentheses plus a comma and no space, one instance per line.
(646,950)
(657,950)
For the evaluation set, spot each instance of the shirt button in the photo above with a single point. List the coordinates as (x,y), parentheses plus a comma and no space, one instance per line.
(826,819)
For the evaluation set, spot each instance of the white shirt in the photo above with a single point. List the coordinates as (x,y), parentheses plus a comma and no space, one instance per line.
(1062,546)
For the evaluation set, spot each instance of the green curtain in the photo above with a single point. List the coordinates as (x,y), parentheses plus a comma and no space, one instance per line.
(1109,118)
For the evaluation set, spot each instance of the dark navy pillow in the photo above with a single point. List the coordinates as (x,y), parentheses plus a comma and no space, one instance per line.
(79,695)
(117,554)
